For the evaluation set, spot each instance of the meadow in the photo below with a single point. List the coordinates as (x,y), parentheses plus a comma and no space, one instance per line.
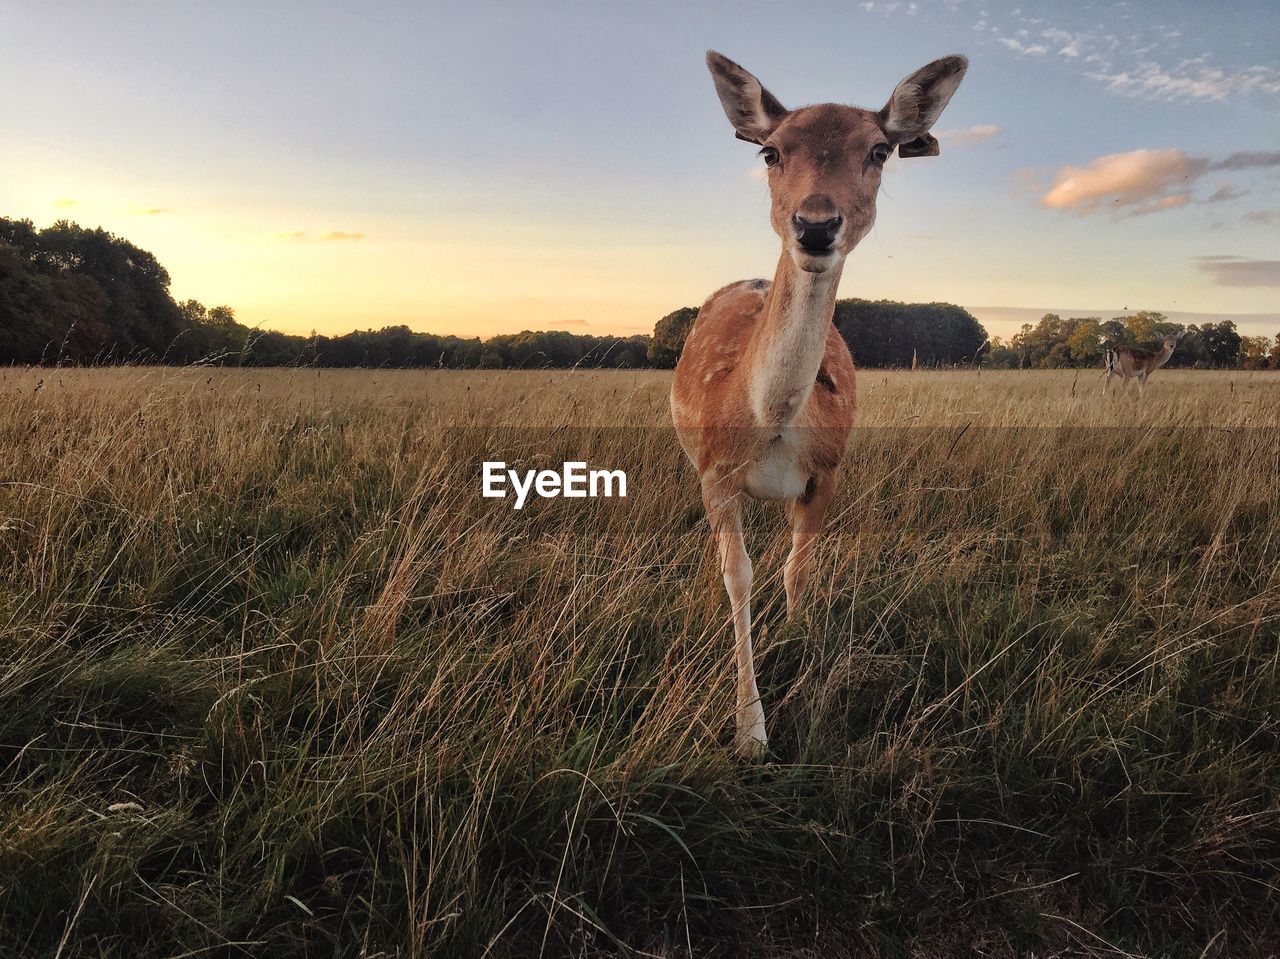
(276,680)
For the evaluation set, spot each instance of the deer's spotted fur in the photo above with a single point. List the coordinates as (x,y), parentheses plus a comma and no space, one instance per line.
(1132,362)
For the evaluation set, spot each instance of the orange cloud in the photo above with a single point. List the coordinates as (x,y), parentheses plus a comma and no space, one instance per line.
(1167,203)
(1141,181)
(306,235)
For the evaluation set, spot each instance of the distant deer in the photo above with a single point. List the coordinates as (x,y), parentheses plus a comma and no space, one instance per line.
(763,398)
(1130,361)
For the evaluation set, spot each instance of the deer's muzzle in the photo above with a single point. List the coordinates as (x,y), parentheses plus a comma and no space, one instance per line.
(816,236)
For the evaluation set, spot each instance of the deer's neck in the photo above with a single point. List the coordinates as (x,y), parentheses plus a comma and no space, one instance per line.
(1162,357)
(789,340)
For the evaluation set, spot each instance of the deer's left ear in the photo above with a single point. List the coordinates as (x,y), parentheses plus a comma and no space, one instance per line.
(917,102)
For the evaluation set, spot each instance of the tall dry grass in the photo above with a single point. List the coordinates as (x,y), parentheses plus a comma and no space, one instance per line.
(275,679)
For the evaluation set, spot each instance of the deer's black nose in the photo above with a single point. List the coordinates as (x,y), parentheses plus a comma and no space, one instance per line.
(816,236)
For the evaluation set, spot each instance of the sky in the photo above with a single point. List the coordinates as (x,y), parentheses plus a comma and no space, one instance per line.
(478,168)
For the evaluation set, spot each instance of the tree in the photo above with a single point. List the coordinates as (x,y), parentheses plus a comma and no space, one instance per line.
(1085,341)
(1255,352)
(49,316)
(1001,356)
(1142,325)
(1114,333)
(1034,343)
(889,334)
(669,335)
(89,295)
(1221,343)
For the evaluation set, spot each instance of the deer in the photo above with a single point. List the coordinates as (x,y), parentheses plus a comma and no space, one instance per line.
(763,397)
(1131,361)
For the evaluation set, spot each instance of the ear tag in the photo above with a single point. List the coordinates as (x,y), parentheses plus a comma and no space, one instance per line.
(925,145)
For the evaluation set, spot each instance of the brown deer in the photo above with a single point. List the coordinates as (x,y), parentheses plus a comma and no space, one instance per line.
(1130,361)
(763,397)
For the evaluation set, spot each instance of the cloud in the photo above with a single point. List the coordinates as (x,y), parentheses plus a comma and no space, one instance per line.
(1147,181)
(1170,202)
(969,135)
(1069,45)
(1240,270)
(1224,192)
(1192,79)
(1264,217)
(1032,50)
(886,8)
(573,323)
(63,202)
(305,236)
(149,210)
(1148,64)
(1141,181)
(1248,159)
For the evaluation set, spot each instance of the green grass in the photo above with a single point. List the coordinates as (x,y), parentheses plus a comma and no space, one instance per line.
(275,680)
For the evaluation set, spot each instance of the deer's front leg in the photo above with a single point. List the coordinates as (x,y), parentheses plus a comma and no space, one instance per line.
(750,740)
(807,514)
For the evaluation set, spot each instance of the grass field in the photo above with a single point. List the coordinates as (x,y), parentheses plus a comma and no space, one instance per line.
(275,680)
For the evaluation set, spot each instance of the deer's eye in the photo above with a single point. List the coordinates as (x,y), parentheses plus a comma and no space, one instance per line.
(880,152)
(771,156)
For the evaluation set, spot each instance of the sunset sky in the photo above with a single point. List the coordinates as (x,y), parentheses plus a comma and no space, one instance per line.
(477,168)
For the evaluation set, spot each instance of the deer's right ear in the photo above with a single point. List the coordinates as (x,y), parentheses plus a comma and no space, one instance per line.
(754,111)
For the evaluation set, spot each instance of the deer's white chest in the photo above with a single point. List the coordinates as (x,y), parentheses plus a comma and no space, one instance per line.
(776,473)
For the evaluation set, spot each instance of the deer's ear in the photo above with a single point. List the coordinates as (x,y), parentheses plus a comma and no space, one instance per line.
(754,111)
(918,101)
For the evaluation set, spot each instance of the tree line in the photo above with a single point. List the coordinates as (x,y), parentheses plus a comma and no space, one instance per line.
(73,295)
(1055,343)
